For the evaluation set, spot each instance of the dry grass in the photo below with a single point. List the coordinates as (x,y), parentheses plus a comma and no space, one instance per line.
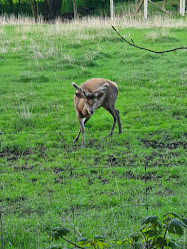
(100,22)
(41,44)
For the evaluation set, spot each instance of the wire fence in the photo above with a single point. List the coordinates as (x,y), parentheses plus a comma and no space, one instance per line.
(108,186)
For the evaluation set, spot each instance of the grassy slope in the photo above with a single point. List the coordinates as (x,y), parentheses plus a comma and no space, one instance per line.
(38,64)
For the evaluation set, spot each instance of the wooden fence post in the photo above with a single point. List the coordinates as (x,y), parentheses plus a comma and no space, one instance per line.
(112,10)
(182,7)
(145,9)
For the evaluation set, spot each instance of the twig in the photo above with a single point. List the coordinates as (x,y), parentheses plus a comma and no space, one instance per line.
(77,246)
(146,49)
(164,239)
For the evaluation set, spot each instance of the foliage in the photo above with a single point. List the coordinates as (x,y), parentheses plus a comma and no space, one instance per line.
(51,9)
(98,242)
(155,230)
(154,234)
(85,7)
(58,232)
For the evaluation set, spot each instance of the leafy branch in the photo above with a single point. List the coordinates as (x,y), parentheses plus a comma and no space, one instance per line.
(153,235)
(59,232)
(146,49)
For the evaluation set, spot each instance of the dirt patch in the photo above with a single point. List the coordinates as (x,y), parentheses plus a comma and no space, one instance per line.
(15,154)
(161,145)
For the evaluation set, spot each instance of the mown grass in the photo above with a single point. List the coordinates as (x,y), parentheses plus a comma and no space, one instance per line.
(45,179)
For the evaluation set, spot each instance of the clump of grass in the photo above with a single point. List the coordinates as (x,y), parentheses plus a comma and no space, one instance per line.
(26,112)
(162,36)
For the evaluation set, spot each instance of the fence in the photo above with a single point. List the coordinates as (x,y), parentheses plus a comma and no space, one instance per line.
(104,189)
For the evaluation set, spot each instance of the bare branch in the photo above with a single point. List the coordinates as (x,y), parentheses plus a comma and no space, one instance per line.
(76,246)
(146,49)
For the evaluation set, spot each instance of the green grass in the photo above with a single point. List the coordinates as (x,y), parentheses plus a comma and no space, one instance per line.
(43,173)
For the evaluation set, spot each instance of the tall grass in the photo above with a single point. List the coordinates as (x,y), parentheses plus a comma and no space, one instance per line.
(130,20)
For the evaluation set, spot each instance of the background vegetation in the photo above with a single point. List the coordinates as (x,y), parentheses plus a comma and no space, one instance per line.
(84,7)
(45,180)
(51,9)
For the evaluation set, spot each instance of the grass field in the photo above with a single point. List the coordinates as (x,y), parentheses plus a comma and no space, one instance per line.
(105,189)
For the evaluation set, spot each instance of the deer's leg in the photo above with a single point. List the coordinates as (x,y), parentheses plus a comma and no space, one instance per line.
(119,122)
(112,111)
(82,123)
(116,117)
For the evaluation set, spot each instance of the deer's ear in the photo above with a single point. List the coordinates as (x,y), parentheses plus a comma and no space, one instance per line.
(79,94)
(101,90)
(100,94)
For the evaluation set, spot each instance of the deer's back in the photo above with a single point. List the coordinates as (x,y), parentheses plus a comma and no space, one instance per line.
(93,84)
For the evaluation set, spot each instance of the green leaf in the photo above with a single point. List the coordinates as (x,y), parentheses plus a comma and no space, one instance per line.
(167,219)
(99,237)
(160,242)
(172,215)
(55,235)
(150,234)
(114,242)
(159,224)
(62,231)
(175,226)
(144,229)
(82,241)
(134,236)
(105,244)
(127,241)
(89,244)
(173,245)
(150,219)
(119,242)
(184,220)
(55,247)
(101,244)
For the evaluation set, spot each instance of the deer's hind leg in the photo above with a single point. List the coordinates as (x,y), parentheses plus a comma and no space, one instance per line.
(119,121)
(115,113)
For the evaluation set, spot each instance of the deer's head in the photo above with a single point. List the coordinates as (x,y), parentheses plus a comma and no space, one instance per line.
(91,99)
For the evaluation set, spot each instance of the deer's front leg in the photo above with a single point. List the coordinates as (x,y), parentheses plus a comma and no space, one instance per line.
(85,121)
(81,121)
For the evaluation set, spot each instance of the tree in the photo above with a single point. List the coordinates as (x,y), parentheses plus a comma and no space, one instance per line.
(11,6)
(34,8)
(52,9)
(74,9)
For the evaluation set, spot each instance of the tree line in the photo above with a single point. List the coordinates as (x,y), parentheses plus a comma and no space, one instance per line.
(52,9)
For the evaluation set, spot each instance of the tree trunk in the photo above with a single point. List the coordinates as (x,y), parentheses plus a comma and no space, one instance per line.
(52,9)
(11,6)
(74,9)
(34,8)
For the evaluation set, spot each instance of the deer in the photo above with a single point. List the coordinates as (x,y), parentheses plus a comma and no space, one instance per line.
(91,95)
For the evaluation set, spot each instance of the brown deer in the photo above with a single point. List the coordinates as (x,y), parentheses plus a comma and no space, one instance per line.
(91,95)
